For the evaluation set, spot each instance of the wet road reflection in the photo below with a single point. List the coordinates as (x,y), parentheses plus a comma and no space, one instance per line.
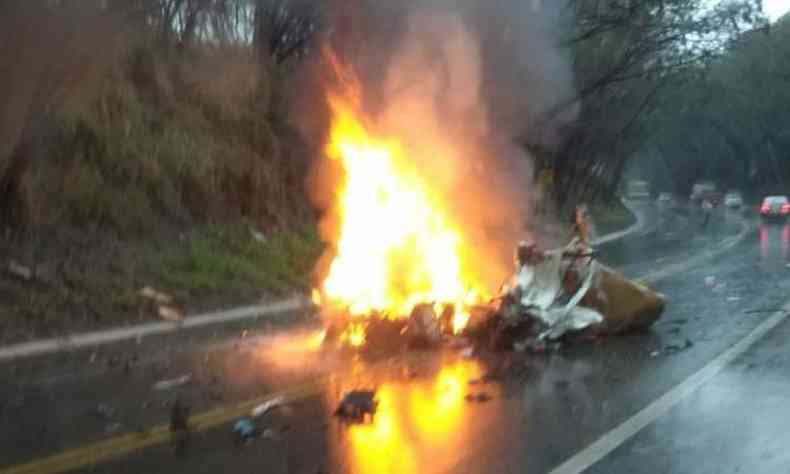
(429,418)
(774,242)
(422,420)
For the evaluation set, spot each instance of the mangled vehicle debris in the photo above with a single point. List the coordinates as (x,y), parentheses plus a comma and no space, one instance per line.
(553,296)
(565,293)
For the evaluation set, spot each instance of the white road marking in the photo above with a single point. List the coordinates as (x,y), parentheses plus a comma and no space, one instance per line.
(640,222)
(723,246)
(95,338)
(625,431)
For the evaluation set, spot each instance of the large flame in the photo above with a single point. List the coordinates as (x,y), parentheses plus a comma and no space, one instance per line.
(398,245)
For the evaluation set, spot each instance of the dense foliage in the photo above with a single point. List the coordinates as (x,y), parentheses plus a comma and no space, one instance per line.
(630,57)
(730,124)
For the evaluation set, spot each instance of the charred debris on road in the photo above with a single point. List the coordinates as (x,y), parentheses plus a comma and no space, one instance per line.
(554,297)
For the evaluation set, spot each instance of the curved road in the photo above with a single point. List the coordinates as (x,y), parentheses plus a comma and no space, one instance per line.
(692,395)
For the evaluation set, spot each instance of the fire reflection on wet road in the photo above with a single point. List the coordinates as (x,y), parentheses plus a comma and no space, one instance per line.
(421,421)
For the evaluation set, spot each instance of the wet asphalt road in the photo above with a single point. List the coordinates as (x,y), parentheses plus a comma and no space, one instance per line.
(542,409)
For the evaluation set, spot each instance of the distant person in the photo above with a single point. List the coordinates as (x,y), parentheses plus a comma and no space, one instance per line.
(581,224)
(707,210)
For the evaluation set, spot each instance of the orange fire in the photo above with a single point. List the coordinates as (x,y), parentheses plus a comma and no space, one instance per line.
(398,244)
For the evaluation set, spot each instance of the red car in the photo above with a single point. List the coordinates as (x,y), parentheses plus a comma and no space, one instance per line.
(775,206)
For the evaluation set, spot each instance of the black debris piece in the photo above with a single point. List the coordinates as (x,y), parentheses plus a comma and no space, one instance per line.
(105,411)
(673,348)
(478,397)
(179,416)
(356,404)
(179,425)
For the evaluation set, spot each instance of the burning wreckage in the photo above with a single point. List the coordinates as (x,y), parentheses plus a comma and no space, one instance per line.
(553,296)
(405,223)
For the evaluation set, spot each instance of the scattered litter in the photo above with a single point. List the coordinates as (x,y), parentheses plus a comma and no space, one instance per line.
(92,358)
(258,235)
(356,404)
(270,434)
(733,299)
(20,271)
(154,295)
(244,431)
(168,313)
(112,428)
(179,425)
(478,398)
(105,411)
(654,354)
(710,280)
(179,416)
(264,407)
(787,265)
(173,383)
(468,352)
(673,348)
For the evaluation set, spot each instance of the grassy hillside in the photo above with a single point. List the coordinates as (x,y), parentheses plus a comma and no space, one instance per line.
(176,168)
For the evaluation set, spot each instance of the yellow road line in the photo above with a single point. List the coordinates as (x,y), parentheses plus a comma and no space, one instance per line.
(121,445)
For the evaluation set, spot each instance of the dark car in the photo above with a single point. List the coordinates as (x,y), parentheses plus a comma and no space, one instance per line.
(715,198)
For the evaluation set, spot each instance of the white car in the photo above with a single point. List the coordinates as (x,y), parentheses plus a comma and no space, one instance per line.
(733,200)
(699,190)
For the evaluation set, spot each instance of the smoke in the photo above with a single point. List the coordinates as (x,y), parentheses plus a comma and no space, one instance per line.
(462,84)
(507,52)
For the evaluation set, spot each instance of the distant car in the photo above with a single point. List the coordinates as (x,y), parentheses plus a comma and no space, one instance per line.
(699,190)
(775,206)
(665,199)
(638,190)
(715,198)
(733,200)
